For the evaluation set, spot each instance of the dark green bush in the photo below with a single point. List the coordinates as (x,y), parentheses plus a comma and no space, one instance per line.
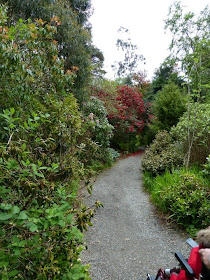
(168,106)
(162,154)
(40,233)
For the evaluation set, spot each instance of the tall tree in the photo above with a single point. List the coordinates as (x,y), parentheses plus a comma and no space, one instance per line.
(73,36)
(167,71)
(128,66)
(190,47)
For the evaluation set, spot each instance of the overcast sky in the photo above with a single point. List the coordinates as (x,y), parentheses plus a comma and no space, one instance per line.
(145,21)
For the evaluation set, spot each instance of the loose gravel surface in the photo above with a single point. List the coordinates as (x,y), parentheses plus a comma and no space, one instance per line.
(128,239)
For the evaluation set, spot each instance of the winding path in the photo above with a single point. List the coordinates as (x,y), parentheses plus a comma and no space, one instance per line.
(127,239)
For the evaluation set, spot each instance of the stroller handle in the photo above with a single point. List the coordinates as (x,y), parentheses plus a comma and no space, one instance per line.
(184,264)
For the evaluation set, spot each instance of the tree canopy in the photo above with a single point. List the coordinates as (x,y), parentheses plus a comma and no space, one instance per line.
(73,33)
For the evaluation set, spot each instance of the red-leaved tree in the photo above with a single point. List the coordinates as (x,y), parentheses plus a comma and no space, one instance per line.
(131,114)
(127,112)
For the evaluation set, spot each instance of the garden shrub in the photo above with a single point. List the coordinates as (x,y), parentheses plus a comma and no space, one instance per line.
(182,194)
(40,234)
(188,201)
(194,125)
(99,131)
(168,106)
(127,112)
(40,172)
(162,154)
(129,118)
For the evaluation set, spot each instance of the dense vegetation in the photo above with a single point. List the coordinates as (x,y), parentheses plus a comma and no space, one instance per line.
(176,164)
(62,121)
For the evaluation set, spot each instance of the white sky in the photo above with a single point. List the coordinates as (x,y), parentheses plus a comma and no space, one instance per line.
(145,21)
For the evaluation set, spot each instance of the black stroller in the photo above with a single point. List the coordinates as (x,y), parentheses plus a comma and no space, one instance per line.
(183,264)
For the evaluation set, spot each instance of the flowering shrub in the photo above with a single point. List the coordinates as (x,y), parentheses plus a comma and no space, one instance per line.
(98,129)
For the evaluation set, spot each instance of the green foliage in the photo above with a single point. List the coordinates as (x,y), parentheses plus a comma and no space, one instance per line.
(163,75)
(40,171)
(98,129)
(190,46)
(40,234)
(168,106)
(184,195)
(193,130)
(161,155)
(206,168)
(31,73)
(73,34)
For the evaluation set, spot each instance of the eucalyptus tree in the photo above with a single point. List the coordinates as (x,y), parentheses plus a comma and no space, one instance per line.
(131,57)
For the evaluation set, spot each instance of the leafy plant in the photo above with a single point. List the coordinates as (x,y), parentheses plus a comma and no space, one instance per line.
(40,172)
(193,130)
(40,230)
(129,118)
(183,195)
(72,37)
(169,105)
(161,155)
(98,129)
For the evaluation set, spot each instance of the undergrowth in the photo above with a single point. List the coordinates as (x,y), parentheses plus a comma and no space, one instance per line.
(183,195)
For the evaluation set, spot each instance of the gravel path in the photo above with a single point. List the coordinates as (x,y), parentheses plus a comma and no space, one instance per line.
(127,239)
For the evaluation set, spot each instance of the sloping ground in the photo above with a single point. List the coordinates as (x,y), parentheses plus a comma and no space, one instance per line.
(127,239)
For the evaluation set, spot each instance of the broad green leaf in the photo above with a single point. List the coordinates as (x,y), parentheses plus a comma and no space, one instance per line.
(5,206)
(33,227)
(39,174)
(16,209)
(24,146)
(23,215)
(5,216)
(12,110)
(13,273)
(23,243)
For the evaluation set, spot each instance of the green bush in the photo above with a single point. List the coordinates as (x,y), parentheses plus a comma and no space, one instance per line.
(184,195)
(168,106)
(188,201)
(193,130)
(161,155)
(40,231)
(99,131)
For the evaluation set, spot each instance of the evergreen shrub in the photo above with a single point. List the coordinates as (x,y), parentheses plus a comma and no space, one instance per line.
(183,195)
(193,130)
(97,128)
(161,155)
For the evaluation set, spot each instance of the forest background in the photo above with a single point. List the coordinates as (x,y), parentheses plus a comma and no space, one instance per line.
(62,122)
